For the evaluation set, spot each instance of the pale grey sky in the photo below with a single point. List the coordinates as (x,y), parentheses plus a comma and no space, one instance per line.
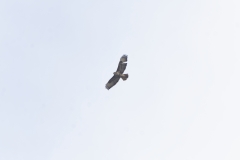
(181,100)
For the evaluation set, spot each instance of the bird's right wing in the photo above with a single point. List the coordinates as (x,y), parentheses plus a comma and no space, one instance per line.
(112,81)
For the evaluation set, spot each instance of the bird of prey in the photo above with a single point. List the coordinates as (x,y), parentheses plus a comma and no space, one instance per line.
(119,73)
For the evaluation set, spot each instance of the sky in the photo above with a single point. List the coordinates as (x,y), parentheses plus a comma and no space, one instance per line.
(181,100)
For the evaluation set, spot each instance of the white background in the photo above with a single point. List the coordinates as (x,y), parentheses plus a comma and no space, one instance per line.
(181,101)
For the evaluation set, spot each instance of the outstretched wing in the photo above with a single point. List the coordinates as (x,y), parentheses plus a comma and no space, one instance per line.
(122,66)
(112,81)
(124,58)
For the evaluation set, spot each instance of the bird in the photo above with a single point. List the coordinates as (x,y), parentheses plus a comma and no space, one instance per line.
(119,73)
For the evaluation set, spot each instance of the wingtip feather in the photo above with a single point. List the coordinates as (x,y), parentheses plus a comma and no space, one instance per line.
(124,58)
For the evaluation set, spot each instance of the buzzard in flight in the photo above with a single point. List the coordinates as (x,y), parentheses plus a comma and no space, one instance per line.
(119,73)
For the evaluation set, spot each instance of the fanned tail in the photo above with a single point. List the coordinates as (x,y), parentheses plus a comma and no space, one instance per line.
(124,77)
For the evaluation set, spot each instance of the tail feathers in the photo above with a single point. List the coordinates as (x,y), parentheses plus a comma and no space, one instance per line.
(124,77)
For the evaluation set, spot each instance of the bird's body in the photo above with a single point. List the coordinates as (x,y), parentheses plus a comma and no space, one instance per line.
(119,73)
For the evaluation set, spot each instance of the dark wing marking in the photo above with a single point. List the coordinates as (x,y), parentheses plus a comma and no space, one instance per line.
(124,58)
(112,81)
(121,67)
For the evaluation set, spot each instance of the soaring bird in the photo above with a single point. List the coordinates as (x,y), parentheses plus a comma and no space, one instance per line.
(119,73)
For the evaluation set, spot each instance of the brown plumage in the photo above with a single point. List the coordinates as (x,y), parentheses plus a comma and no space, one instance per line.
(119,73)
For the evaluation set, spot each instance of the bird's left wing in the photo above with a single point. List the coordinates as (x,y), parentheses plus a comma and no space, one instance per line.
(112,81)
(121,67)
(124,58)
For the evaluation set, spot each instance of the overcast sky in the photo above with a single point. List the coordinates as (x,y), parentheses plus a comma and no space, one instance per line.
(181,101)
